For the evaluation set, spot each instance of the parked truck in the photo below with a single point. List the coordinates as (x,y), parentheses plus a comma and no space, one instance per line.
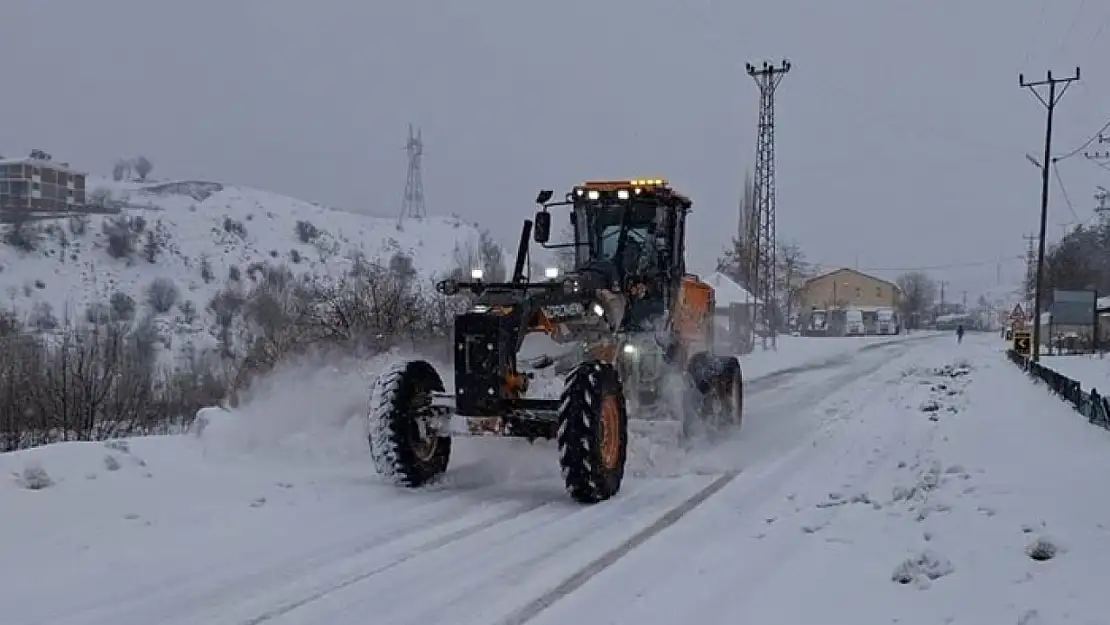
(888,321)
(854,322)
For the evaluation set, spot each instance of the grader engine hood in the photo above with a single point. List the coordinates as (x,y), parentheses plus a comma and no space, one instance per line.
(583,319)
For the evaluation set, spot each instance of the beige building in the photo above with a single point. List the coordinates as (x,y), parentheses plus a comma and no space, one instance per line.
(848,288)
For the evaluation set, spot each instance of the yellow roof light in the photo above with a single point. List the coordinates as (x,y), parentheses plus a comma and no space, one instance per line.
(614,185)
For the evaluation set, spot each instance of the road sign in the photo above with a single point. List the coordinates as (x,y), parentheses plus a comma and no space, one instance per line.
(1017,312)
(1023,342)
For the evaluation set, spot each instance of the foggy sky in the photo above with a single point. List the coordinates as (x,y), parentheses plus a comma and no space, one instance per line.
(901,129)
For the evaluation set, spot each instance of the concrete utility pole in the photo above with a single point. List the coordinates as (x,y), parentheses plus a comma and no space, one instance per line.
(761,230)
(1050,105)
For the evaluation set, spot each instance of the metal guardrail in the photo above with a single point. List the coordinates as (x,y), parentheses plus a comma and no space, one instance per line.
(1091,404)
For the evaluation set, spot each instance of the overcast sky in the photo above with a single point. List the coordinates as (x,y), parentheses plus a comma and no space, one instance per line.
(901,129)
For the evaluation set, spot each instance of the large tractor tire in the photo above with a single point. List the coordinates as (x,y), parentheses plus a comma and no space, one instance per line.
(593,432)
(403,450)
(716,393)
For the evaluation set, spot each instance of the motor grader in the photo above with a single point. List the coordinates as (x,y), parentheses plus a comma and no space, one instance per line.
(635,321)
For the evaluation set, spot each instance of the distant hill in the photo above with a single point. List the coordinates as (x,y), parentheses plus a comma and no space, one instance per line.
(195,234)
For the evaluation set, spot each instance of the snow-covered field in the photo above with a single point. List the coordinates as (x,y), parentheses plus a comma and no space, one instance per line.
(1092,371)
(907,483)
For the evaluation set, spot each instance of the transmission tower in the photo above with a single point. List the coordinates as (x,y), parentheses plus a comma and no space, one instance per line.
(761,227)
(412,205)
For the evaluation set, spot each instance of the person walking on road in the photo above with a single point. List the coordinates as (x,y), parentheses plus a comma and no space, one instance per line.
(960,333)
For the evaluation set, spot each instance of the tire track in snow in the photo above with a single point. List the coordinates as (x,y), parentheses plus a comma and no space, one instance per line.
(215,587)
(421,549)
(572,583)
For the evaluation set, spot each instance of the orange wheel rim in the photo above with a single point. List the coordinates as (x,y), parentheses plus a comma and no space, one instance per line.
(610,432)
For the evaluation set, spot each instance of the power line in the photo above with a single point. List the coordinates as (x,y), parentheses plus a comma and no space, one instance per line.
(1086,143)
(1036,32)
(1098,32)
(1071,28)
(1064,191)
(921,128)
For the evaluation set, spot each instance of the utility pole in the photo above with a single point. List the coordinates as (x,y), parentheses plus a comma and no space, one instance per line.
(1050,105)
(412,204)
(761,229)
(943,283)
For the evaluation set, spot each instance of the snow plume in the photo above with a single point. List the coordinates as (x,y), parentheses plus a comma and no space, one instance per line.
(311,410)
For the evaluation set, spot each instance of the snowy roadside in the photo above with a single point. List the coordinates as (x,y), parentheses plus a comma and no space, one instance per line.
(1092,371)
(955,492)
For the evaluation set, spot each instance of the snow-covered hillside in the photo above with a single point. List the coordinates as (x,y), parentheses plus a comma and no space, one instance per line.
(196,234)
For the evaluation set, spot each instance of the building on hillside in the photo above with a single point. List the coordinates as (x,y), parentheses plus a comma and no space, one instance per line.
(848,288)
(37,183)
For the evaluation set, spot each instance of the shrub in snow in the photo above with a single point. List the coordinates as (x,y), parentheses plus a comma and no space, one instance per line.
(162,294)
(110,463)
(188,311)
(123,306)
(42,317)
(34,477)
(98,313)
(23,236)
(234,273)
(78,225)
(235,227)
(152,247)
(206,270)
(295,256)
(1042,549)
(121,239)
(306,231)
(927,566)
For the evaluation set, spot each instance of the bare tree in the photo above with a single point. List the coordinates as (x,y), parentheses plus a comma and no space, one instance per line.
(792,269)
(919,292)
(142,166)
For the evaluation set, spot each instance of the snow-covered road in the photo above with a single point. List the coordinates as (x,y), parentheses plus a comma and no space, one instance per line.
(276,516)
